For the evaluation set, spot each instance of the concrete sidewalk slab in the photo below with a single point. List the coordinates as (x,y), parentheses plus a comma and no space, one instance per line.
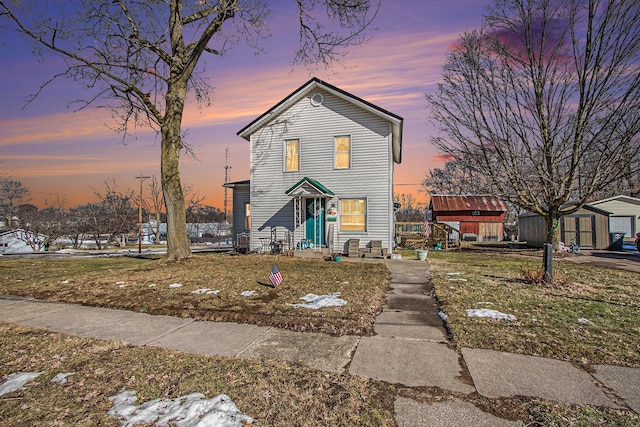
(19,310)
(103,323)
(624,381)
(453,413)
(316,350)
(418,325)
(212,338)
(408,288)
(413,363)
(498,374)
(414,302)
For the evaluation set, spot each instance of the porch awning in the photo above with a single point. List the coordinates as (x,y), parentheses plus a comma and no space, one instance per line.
(309,187)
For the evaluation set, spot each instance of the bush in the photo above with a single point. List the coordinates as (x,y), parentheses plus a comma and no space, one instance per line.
(534,274)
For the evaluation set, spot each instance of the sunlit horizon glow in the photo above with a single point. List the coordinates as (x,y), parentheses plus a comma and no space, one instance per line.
(59,154)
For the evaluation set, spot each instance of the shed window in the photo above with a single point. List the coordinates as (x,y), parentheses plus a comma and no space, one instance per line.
(353,214)
(247,216)
(292,155)
(343,152)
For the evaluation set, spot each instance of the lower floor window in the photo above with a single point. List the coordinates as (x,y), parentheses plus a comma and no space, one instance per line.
(353,214)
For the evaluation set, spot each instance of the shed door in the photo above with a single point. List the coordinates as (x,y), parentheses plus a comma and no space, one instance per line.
(490,231)
(579,227)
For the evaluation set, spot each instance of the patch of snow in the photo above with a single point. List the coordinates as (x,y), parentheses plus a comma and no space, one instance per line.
(443,315)
(153,285)
(455,273)
(315,302)
(457,279)
(485,303)
(584,321)
(205,291)
(17,380)
(120,283)
(191,410)
(175,285)
(248,294)
(492,314)
(61,378)
(64,282)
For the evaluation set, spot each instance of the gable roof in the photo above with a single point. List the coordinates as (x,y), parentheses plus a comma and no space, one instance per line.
(308,186)
(571,204)
(621,198)
(441,202)
(314,84)
(235,184)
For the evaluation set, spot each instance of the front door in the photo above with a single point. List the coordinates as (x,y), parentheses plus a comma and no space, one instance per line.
(314,224)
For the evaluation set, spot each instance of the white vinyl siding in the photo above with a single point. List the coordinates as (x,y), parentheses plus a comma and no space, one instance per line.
(369,177)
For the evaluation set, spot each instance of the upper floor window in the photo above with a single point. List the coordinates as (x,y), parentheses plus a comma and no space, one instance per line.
(292,155)
(343,152)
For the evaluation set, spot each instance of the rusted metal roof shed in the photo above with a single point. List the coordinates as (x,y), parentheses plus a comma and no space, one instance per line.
(441,203)
(476,217)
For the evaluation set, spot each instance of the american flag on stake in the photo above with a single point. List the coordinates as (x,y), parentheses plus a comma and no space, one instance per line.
(275,276)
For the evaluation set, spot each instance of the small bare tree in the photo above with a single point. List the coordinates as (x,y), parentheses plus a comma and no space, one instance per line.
(544,98)
(116,214)
(143,57)
(12,195)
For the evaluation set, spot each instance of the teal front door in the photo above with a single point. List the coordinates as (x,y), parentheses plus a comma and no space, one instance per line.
(314,224)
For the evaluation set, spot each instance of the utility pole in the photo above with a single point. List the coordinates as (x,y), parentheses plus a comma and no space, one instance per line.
(226,180)
(141,178)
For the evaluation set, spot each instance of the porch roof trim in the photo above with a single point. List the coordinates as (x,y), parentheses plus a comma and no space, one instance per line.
(315,185)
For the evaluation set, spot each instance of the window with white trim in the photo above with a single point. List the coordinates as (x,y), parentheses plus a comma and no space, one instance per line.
(291,155)
(342,153)
(353,214)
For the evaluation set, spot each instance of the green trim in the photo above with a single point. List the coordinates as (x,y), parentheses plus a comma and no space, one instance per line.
(315,184)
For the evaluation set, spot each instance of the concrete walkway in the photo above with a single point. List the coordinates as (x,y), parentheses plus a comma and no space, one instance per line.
(410,348)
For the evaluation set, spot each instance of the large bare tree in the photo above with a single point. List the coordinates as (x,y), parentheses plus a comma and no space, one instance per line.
(141,58)
(545,98)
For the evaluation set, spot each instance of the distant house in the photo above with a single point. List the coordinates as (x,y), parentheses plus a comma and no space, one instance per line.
(321,172)
(625,215)
(478,218)
(588,227)
(15,241)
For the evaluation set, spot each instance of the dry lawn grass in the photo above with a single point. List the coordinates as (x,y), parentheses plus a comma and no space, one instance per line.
(142,285)
(273,393)
(547,317)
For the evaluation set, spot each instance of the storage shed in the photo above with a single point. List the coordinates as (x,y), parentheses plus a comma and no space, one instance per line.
(478,218)
(589,226)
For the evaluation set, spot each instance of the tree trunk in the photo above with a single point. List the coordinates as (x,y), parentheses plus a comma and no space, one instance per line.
(552,221)
(178,244)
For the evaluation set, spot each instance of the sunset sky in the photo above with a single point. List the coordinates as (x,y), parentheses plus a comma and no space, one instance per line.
(61,154)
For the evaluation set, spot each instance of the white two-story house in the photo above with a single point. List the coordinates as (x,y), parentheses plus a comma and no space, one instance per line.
(321,172)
